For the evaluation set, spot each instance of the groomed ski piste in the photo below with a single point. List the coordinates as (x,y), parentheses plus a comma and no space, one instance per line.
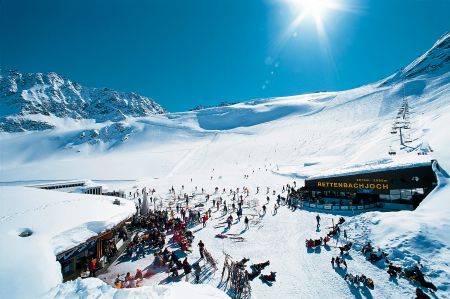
(272,141)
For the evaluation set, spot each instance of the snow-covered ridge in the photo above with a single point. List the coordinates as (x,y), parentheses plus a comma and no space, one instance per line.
(435,61)
(23,96)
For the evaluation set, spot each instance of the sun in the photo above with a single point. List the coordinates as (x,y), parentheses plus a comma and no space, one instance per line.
(315,8)
(319,11)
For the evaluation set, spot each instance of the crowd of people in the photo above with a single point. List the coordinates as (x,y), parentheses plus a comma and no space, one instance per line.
(178,219)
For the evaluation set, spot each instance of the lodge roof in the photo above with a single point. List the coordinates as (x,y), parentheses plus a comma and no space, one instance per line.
(375,166)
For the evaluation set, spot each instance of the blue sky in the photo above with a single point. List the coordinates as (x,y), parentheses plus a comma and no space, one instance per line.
(185,53)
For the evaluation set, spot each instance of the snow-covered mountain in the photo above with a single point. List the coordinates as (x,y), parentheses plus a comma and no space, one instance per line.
(272,142)
(29,101)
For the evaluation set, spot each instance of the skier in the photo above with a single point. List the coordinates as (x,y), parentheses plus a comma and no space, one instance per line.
(197,272)
(204,220)
(264,209)
(246,222)
(268,199)
(275,209)
(201,248)
(187,268)
(332,262)
(345,234)
(229,222)
(239,214)
(318,221)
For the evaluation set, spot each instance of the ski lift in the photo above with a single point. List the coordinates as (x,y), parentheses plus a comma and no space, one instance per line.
(394,131)
(392,152)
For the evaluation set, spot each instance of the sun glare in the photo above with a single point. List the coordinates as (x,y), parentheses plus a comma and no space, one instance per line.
(313,7)
(318,12)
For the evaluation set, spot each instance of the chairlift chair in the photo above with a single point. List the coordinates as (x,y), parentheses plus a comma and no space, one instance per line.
(392,152)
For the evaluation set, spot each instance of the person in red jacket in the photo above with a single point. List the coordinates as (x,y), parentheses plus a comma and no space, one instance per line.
(93,266)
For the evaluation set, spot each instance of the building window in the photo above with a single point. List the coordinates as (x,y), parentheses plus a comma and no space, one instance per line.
(67,267)
(385,197)
(394,194)
(406,194)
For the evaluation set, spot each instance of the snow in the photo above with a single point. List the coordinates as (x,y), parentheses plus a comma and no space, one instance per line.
(59,221)
(377,165)
(94,288)
(274,141)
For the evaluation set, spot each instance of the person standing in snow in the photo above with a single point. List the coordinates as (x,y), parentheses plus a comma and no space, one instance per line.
(187,268)
(92,266)
(197,271)
(201,248)
(275,209)
(229,222)
(318,221)
(239,214)
(345,234)
(246,222)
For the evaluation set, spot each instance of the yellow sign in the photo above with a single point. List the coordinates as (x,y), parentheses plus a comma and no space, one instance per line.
(375,186)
